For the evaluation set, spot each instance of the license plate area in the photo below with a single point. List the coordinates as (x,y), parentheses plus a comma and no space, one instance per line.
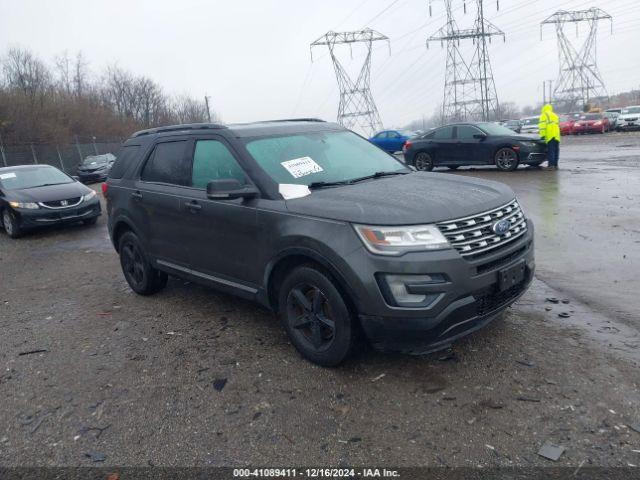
(511,276)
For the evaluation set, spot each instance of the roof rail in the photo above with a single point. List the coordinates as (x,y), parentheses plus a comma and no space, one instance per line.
(178,128)
(310,119)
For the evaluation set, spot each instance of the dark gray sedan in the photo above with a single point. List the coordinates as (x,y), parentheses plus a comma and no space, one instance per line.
(37,195)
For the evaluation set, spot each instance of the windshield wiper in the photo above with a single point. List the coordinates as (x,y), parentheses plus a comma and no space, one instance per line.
(354,180)
(49,184)
(313,185)
(376,175)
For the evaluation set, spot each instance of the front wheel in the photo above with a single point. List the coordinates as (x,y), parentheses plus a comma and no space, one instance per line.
(316,316)
(423,162)
(506,159)
(140,275)
(11,223)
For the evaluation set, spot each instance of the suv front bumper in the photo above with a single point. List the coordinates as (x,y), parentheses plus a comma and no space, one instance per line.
(468,300)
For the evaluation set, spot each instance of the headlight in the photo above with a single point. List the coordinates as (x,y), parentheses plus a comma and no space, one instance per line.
(27,205)
(399,240)
(88,196)
(528,144)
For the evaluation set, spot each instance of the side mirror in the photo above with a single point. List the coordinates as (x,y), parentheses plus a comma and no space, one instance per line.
(480,136)
(228,189)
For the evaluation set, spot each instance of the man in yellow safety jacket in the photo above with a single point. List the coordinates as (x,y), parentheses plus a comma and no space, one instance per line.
(549,126)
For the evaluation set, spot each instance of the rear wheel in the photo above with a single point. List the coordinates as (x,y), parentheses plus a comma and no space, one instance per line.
(423,162)
(140,275)
(506,159)
(11,223)
(315,316)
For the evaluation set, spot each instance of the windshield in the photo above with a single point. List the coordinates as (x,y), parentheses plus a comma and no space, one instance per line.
(631,110)
(308,158)
(591,116)
(98,159)
(495,129)
(32,177)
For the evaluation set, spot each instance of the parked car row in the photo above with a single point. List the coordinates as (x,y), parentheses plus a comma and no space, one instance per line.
(575,123)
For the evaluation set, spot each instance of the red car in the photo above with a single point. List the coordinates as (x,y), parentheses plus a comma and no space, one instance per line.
(591,123)
(566,125)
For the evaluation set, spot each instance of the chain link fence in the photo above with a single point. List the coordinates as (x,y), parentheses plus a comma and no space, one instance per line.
(63,156)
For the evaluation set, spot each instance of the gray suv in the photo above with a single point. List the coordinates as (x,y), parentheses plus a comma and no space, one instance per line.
(314,222)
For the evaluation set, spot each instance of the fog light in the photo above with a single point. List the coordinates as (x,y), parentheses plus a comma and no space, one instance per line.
(403,290)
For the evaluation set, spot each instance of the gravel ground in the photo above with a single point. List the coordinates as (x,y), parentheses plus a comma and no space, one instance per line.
(92,374)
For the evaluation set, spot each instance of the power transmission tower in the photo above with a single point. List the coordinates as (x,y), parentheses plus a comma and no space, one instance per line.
(356,109)
(469,88)
(579,79)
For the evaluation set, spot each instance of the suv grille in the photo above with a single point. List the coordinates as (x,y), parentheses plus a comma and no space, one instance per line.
(474,235)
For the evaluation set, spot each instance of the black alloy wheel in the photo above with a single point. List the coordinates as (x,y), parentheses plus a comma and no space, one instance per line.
(315,316)
(506,159)
(423,162)
(140,275)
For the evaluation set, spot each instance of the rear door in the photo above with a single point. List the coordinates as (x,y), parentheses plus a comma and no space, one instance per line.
(155,200)
(445,148)
(224,239)
(468,148)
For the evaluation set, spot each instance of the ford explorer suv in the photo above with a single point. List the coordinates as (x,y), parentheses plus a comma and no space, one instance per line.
(311,220)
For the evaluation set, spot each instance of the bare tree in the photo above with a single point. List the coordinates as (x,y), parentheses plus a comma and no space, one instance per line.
(186,109)
(25,73)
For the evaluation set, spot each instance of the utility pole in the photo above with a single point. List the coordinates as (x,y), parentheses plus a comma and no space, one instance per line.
(578,78)
(206,102)
(469,87)
(357,109)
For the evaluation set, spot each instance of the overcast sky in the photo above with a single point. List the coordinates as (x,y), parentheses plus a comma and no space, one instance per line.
(252,56)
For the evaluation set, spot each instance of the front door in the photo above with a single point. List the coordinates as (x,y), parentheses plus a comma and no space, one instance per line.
(224,239)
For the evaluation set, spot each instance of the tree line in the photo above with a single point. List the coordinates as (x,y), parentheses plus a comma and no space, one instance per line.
(63,100)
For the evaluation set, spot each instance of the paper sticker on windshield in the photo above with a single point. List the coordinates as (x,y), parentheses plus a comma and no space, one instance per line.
(301,167)
(4,176)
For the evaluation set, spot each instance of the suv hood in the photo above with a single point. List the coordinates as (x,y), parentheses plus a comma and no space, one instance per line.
(49,193)
(415,198)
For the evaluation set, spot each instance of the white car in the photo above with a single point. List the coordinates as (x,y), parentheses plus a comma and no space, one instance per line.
(629,118)
(529,125)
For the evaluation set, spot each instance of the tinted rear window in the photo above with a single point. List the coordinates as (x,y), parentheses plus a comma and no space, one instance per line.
(168,164)
(123,161)
(443,133)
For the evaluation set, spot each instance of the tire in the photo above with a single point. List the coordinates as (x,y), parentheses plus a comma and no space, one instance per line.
(91,221)
(423,162)
(138,272)
(11,224)
(316,316)
(506,159)
(453,167)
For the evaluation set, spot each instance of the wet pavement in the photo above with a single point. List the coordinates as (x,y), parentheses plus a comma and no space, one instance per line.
(91,374)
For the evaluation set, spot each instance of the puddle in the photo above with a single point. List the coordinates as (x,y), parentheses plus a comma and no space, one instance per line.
(604,332)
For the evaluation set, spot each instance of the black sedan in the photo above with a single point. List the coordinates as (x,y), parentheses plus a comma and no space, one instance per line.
(465,144)
(37,195)
(95,168)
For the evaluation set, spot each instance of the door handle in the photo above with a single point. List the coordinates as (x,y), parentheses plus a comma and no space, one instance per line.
(137,195)
(194,206)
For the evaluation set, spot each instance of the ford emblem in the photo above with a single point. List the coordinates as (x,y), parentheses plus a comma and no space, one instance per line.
(501,227)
